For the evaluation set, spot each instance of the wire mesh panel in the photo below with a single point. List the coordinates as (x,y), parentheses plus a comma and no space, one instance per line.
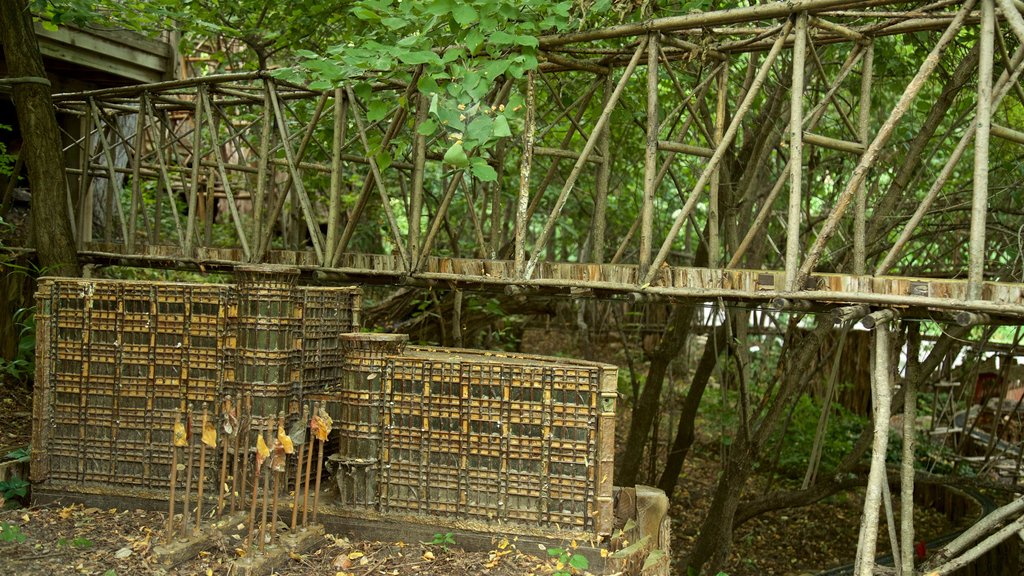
(326,313)
(118,359)
(495,437)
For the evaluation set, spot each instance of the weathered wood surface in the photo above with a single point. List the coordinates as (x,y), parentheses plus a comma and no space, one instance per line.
(1000,298)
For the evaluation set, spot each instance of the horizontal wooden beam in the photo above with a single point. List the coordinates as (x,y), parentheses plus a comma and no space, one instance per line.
(1001,299)
(833,143)
(770,11)
(562,153)
(1009,134)
(669,146)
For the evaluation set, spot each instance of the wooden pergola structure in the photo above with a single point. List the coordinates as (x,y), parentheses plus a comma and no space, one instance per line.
(277,155)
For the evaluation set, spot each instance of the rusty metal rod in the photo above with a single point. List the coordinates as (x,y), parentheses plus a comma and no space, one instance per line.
(309,464)
(202,468)
(174,477)
(277,483)
(188,474)
(245,447)
(225,419)
(265,496)
(319,471)
(252,506)
(298,470)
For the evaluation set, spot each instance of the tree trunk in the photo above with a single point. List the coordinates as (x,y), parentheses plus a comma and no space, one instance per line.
(51,225)
(715,540)
(672,341)
(688,413)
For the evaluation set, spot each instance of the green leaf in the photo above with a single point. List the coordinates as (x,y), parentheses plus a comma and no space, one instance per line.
(474,38)
(321,85)
(378,111)
(482,170)
(439,7)
(502,38)
(653,558)
(427,85)
(456,156)
(427,128)
(479,129)
(433,105)
(364,14)
(501,129)
(527,40)
(452,54)
(420,57)
(631,549)
(363,90)
(580,562)
(495,68)
(395,23)
(383,160)
(555,551)
(465,14)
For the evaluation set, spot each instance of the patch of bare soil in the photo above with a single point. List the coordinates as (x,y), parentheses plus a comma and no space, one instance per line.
(54,540)
(789,542)
(16,415)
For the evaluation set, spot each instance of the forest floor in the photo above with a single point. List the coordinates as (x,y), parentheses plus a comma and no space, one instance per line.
(55,539)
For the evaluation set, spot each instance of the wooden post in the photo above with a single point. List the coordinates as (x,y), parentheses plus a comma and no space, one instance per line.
(883,394)
(714,242)
(165,178)
(1006,81)
(650,155)
(297,185)
(439,217)
(979,196)
(604,170)
(263,163)
(525,165)
(863,132)
(419,154)
(909,442)
(133,211)
(796,153)
(218,154)
(337,143)
(193,185)
(396,234)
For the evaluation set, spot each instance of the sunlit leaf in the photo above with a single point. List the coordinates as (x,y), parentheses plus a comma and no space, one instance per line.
(456,156)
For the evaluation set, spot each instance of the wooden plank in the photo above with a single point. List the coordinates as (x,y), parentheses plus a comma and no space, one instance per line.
(104,53)
(1000,298)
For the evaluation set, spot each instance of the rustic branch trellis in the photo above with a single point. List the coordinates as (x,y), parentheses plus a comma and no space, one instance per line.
(329,174)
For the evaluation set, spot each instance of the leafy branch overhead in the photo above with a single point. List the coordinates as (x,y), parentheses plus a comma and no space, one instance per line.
(463,50)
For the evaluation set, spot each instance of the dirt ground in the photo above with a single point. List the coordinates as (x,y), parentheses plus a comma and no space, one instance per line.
(56,540)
